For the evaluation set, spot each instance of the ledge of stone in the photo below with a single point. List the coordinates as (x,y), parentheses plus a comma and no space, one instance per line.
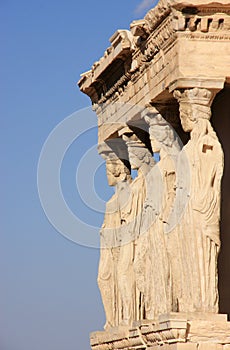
(121,46)
(199,3)
(173,328)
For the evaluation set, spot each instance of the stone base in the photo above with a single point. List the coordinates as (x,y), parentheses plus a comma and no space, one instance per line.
(174,331)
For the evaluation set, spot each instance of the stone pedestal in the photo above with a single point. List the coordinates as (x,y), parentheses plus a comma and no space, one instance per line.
(174,331)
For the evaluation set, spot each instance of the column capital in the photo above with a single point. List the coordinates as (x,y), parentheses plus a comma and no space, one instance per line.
(195,96)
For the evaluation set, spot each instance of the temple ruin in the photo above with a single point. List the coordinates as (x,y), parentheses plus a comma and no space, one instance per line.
(161,93)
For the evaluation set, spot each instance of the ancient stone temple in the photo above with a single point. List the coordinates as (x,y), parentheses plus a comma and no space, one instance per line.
(162,96)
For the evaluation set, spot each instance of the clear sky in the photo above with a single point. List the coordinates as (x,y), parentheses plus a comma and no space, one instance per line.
(49,298)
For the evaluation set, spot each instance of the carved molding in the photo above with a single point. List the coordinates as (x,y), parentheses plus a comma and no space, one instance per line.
(172,329)
(213,84)
(145,47)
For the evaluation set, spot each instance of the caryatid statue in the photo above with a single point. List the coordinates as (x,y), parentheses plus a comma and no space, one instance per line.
(199,227)
(132,264)
(163,281)
(118,174)
(168,145)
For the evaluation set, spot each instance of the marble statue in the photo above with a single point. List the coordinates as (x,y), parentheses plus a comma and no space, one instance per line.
(118,175)
(164,262)
(160,236)
(133,250)
(199,229)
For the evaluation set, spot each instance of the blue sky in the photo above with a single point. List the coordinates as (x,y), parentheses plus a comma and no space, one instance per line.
(49,298)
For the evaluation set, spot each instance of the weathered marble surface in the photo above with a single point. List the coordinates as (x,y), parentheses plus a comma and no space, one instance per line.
(174,331)
(202,216)
(165,259)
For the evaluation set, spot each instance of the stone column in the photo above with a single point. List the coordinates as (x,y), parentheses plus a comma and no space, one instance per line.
(118,174)
(201,238)
(131,265)
(167,246)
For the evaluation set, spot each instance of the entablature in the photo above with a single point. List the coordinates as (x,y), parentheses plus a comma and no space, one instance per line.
(178,42)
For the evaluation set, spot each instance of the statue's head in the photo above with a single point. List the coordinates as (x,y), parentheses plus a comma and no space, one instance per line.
(191,114)
(161,133)
(116,171)
(139,154)
(187,116)
(194,105)
(114,152)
